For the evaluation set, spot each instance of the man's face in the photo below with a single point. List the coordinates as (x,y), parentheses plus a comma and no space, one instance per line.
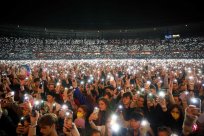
(51,87)
(141,102)
(26,112)
(37,83)
(50,98)
(15,81)
(175,86)
(134,124)
(46,130)
(126,100)
(183,87)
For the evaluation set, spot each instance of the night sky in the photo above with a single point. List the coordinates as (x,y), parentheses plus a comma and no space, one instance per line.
(96,14)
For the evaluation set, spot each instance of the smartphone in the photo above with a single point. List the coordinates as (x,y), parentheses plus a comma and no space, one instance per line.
(183,95)
(33,112)
(69,116)
(96,110)
(21,123)
(150,96)
(120,108)
(119,88)
(196,102)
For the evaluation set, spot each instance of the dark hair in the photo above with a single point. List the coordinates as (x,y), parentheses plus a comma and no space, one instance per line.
(127,94)
(136,116)
(164,129)
(178,107)
(36,80)
(108,94)
(51,93)
(48,119)
(85,109)
(105,101)
(109,87)
(152,87)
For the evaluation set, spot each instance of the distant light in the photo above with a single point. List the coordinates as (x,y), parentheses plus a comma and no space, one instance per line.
(176,36)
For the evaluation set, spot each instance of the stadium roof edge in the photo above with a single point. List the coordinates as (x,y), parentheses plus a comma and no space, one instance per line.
(194,28)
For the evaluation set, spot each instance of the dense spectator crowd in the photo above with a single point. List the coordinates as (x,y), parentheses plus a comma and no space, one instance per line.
(58,48)
(102,97)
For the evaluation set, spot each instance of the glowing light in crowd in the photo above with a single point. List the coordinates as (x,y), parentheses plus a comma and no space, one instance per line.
(144,122)
(64,107)
(12,93)
(161,94)
(37,102)
(148,82)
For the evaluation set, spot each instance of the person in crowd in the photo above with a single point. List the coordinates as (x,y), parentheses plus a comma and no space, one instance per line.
(122,87)
(99,118)
(81,120)
(52,89)
(126,108)
(174,118)
(136,126)
(95,132)
(164,131)
(47,124)
(54,107)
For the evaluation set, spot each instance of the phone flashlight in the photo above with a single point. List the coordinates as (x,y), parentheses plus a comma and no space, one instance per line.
(161,94)
(12,93)
(114,124)
(64,107)
(120,107)
(36,103)
(148,82)
(144,122)
(82,82)
(96,110)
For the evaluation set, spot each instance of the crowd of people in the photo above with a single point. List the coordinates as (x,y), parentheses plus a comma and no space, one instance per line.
(58,48)
(102,97)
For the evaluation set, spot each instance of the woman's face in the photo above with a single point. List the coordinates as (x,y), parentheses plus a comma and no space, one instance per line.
(102,106)
(80,112)
(175,113)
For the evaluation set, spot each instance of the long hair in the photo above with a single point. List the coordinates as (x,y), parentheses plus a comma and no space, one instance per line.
(103,115)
